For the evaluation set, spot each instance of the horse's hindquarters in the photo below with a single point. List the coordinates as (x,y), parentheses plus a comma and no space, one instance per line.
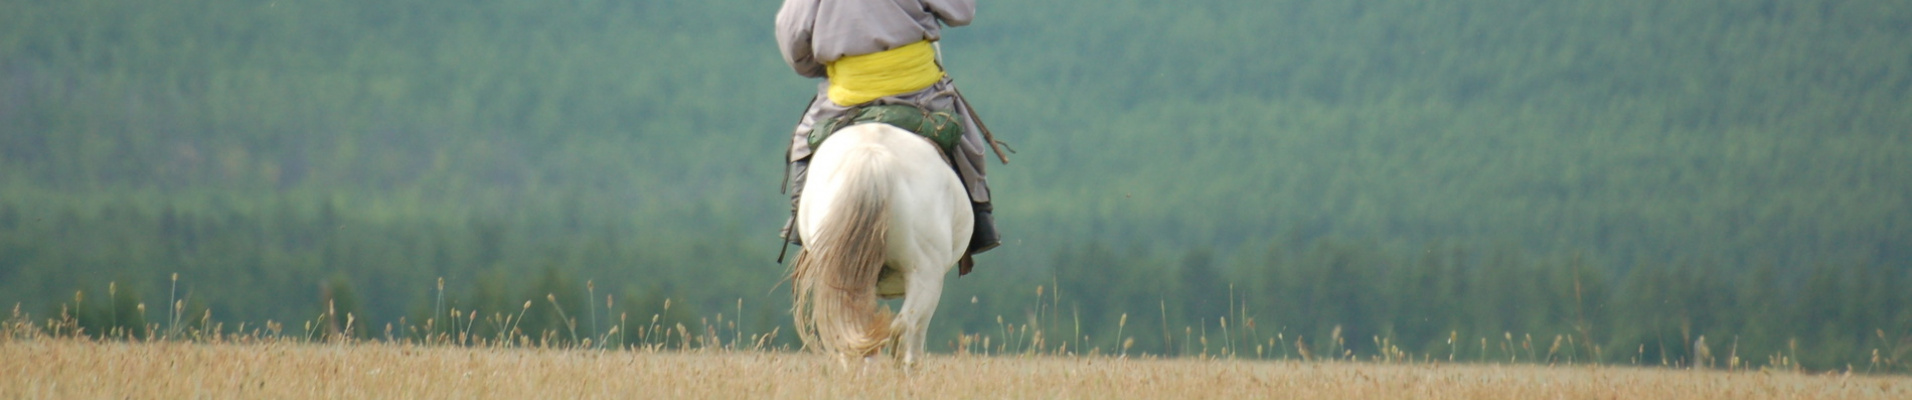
(933,215)
(877,196)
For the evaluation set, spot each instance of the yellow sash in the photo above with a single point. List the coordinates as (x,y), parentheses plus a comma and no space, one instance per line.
(861,78)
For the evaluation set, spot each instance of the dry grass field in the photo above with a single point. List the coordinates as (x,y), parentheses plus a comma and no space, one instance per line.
(49,368)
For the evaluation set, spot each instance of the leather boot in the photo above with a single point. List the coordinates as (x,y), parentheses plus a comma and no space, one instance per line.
(798,171)
(984,237)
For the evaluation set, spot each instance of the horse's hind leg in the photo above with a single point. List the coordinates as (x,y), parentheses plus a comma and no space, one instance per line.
(925,290)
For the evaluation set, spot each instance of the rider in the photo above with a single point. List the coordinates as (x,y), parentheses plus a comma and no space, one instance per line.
(880,52)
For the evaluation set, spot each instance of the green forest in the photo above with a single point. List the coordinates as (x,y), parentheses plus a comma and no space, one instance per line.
(1662,183)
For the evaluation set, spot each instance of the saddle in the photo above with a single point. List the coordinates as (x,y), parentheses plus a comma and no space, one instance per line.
(941,127)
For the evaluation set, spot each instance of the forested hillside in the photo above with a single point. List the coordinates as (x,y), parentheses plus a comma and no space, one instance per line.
(1635,173)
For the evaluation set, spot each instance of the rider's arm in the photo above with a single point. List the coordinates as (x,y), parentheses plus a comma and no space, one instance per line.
(795,22)
(952,12)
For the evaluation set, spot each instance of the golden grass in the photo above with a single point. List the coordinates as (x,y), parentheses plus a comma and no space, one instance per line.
(54,368)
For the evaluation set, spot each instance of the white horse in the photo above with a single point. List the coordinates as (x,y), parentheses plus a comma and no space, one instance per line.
(882,215)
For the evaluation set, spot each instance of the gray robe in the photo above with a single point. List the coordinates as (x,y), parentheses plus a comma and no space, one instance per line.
(812,33)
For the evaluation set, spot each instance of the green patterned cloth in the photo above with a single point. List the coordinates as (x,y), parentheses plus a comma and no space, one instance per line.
(941,127)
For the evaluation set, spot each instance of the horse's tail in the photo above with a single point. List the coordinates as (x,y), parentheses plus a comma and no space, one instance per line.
(836,273)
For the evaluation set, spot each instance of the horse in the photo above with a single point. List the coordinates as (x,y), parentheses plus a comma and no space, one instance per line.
(883,215)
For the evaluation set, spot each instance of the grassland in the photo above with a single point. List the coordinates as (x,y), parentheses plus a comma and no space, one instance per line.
(52,368)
